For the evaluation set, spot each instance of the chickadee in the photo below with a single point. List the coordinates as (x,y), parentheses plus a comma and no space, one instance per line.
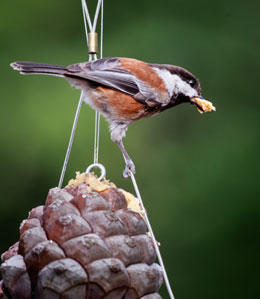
(124,90)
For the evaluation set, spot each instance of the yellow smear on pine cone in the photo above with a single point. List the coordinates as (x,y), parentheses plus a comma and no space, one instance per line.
(93,184)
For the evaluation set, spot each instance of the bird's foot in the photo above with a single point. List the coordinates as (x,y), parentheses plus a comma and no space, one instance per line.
(129,167)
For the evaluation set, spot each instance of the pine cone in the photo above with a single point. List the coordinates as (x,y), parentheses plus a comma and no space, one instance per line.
(88,241)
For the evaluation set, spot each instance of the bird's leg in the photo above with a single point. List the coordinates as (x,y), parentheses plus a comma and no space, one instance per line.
(117,133)
(129,164)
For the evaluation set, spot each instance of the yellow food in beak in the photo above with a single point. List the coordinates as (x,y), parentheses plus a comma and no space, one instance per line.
(203,105)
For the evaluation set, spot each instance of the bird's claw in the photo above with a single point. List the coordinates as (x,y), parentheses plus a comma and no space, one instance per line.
(129,168)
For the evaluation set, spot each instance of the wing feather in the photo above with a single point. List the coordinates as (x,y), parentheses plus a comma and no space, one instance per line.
(107,72)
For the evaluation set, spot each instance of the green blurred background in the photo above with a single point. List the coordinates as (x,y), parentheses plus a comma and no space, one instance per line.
(198,174)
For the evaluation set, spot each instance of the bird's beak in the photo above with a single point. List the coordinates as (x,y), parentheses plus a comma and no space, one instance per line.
(202,104)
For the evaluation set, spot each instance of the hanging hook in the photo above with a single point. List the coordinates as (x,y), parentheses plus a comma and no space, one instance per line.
(100,166)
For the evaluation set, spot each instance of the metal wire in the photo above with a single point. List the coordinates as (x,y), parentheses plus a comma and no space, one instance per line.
(101,29)
(96,16)
(166,280)
(96,139)
(87,23)
(92,28)
(97,114)
(86,13)
(158,253)
(71,141)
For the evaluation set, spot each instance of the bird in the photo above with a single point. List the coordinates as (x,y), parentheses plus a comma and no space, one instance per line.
(125,90)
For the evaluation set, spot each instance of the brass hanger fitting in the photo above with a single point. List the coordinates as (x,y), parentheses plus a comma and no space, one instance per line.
(92,42)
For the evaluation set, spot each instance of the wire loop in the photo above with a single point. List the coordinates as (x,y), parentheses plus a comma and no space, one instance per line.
(101,168)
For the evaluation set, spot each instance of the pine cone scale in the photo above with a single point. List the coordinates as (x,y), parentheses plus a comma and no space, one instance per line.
(86,249)
(15,278)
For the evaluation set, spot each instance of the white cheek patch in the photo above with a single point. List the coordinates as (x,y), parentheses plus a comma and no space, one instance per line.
(175,84)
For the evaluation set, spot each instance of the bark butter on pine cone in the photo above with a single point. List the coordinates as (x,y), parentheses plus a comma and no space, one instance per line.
(88,241)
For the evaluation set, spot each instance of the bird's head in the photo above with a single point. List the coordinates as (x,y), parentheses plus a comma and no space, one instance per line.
(183,87)
(188,90)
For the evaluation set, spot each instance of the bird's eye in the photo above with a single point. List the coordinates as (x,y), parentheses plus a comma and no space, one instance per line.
(191,82)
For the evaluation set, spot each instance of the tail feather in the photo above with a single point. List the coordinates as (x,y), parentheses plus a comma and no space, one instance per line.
(27,67)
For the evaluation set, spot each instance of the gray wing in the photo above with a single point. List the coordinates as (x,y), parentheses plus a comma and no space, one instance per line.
(107,72)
